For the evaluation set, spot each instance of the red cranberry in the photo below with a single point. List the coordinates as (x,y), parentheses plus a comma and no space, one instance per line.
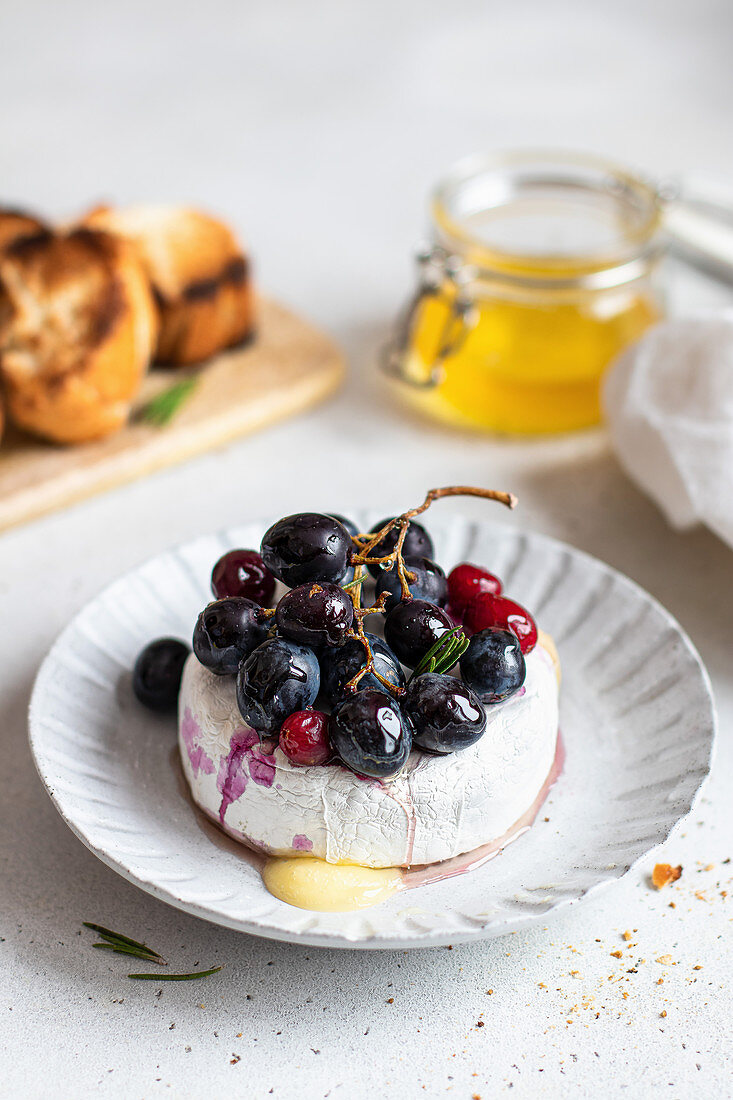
(243,573)
(304,738)
(487,610)
(467,581)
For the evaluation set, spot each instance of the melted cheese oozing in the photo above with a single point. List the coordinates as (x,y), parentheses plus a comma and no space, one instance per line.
(310,883)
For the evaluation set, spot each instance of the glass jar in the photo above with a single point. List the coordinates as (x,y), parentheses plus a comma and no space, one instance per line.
(541,269)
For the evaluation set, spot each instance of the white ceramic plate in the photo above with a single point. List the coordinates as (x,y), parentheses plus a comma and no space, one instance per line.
(637,718)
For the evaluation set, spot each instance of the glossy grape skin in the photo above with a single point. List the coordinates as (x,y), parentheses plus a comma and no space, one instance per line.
(467,581)
(315,614)
(243,573)
(338,666)
(306,547)
(493,665)
(411,628)
(487,610)
(446,714)
(345,522)
(278,678)
(156,677)
(417,544)
(227,631)
(304,738)
(430,585)
(370,734)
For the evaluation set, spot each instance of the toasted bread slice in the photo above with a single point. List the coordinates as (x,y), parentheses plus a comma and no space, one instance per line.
(78,326)
(199,273)
(15,224)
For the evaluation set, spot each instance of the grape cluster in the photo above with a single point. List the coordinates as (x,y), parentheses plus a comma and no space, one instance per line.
(308,673)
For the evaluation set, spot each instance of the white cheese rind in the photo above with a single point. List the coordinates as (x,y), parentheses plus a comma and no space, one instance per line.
(440,807)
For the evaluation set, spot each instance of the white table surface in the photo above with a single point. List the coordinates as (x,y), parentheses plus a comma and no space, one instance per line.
(317,128)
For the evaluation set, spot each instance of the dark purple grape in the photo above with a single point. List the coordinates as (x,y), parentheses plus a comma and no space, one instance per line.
(338,666)
(493,664)
(371,734)
(227,631)
(445,713)
(156,677)
(431,583)
(417,544)
(243,573)
(315,614)
(307,547)
(345,522)
(278,678)
(412,627)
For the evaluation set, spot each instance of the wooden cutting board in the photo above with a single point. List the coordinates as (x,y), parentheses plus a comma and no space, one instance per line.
(289,367)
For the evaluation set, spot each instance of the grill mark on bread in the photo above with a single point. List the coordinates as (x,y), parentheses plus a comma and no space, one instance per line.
(17,224)
(23,247)
(234,272)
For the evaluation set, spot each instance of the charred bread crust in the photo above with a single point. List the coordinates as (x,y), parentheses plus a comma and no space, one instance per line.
(77,329)
(199,274)
(18,224)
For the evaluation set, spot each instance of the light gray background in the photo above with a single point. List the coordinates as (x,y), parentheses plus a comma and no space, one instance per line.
(317,128)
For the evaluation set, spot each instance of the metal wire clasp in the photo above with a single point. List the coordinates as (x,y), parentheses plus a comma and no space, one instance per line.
(436,268)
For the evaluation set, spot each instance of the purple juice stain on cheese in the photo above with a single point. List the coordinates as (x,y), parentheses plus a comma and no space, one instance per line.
(190,732)
(244,761)
(302,843)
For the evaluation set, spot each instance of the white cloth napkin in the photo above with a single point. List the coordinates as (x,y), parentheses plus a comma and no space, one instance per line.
(669,405)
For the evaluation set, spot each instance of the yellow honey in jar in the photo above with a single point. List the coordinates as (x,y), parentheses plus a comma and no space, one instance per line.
(541,271)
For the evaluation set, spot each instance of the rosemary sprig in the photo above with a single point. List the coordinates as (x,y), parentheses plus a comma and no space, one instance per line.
(443,655)
(118,940)
(175,977)
(161,409)
(119,949)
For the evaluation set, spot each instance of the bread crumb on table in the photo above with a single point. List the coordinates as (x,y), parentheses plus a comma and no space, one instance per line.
(664,873)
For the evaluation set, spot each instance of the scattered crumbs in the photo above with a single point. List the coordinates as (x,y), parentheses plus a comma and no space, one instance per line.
(665,873)
(698,967)
(660,981)
(234,1059)
(574,973)
(489,991)
(617,954)
(547,819)
(710,867)
(664,959)
(479,1023)
(672,905)
(239,1035)
(390,1000)
(627,936)
(663,1013)
(542,985)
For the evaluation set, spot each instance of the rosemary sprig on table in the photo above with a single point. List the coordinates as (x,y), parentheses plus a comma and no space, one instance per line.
(175,977)
(445,653)
(123,945)
(161,409)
